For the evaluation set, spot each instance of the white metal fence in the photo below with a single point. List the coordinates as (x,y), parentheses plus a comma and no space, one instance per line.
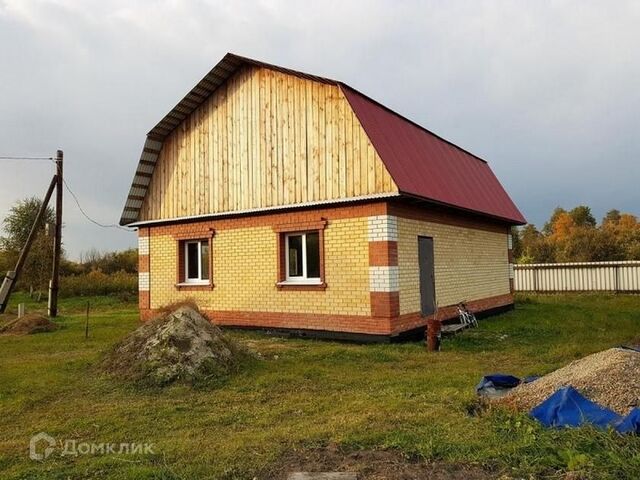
(578,277)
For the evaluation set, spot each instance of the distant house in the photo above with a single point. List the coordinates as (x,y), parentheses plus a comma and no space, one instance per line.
(282,200)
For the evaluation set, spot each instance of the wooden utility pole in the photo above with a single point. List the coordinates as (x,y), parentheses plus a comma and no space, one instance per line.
(54,283)
(12,276)
(86,325)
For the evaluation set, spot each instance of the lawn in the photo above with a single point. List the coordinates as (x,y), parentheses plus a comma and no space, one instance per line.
(308,394)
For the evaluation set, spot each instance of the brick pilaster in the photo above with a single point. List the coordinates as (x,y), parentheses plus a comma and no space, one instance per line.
(144,300)
(383,266)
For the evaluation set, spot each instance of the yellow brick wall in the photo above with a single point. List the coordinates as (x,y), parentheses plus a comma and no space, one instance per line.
(470,264)
(245,267)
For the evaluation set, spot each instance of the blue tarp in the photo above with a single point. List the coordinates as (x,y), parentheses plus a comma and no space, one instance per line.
(499,384)
(496,385)
(498,380)
(568,408)
(630,423)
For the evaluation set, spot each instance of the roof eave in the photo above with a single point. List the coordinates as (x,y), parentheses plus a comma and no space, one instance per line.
(502,219)
(265,210)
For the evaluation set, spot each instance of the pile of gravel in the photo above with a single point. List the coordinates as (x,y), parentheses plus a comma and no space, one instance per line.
(178,346)
(610,378)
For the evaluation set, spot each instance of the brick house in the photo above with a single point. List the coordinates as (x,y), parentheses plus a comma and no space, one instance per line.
(291,202)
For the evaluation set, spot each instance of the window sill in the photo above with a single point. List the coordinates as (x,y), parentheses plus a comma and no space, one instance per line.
(301,286)
(194,286)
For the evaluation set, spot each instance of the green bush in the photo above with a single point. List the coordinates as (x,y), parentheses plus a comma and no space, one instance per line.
(99,283)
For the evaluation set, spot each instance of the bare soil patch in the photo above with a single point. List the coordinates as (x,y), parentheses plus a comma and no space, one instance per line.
(27,325)
(610,378)
(372,465)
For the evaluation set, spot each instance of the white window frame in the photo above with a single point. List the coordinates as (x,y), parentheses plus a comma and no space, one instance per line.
(199,280)
(303,279)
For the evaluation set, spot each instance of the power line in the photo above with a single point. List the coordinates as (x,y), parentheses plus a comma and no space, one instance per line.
(87,216)
(102,225)
(25,158)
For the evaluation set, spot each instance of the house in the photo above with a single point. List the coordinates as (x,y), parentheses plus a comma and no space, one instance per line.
(286,201)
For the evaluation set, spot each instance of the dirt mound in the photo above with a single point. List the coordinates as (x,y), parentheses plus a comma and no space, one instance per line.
(610,378)
(372,465)
(28,324)
(178,346)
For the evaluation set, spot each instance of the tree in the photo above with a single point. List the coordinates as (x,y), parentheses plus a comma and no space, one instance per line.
(536,248)
(611,219)
(90,257)
(627,223)
(4,263)
(574,236)
(125,261)
(588,244)
(529,236)
(628,234)
(516,243)
(111,262)
(19,221)
(17,225)
(582,216)
(633,251)
(548,227)
(562,227)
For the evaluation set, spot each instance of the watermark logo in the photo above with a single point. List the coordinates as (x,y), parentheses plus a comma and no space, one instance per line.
(41,446)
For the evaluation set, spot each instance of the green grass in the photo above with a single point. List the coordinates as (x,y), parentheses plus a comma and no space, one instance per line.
(310,393)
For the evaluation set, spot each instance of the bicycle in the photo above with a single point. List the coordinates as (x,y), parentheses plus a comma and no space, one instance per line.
(467,318)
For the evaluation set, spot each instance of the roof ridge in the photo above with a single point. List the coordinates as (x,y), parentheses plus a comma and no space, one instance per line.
(280,68)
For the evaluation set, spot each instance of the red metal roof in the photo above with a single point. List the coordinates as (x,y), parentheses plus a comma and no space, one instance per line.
(429,167)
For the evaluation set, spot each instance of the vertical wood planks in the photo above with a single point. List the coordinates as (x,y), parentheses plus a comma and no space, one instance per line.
(264,138)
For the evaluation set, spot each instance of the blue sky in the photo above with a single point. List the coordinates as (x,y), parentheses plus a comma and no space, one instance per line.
(546,92)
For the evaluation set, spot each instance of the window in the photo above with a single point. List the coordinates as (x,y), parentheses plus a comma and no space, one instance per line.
(196,261)
(193,258)
(303,257)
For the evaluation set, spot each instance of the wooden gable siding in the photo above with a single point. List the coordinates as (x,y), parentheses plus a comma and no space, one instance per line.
(264,139)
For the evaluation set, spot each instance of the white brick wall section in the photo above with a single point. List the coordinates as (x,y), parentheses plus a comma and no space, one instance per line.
(509,242)
(143,245)
(384,279)
(383,228)
(143,282)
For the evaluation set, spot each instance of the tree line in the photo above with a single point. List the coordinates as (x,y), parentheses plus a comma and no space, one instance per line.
(93,264)
(568,236)
(576,236)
